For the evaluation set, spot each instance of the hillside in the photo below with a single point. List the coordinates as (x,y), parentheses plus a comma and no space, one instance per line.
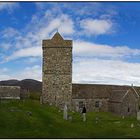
(29,84)
(36,86)
(29,88)
(29,119)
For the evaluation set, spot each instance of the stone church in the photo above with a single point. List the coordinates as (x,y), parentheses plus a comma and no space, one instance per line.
(58,89)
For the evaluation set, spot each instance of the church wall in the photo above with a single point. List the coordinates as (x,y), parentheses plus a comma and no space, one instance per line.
(91,104)
(9,92)
(115,107)
(129,105)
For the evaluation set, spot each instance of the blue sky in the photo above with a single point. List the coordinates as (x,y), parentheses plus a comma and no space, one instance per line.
(105,39)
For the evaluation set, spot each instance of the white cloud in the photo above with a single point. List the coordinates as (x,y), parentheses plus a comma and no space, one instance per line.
(32,60)
(8,6)
(25,52)
(39,5)
(36,31)
(4,77)
(5,46)
(62,22)
(3,74)
(88,69)
(83,48)
(106,72)
(33,72)
(9,32)
(96,26)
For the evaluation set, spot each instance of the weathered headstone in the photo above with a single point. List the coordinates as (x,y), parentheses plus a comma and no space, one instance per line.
(70,118)
(84,117)
(138,115)
(65,113)
(132,125)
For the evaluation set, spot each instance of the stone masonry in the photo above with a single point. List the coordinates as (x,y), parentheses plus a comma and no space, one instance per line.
(9,92)
(57,71)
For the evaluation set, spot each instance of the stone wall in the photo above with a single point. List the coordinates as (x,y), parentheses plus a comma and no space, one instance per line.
(57,71)
(9,92)
(129,104)
(110,98)
(90,94)
(90,104)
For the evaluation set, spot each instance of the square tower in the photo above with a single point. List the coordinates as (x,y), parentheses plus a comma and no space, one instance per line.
(57,71)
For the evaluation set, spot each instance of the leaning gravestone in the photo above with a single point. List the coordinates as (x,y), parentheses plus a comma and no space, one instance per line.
(138,115)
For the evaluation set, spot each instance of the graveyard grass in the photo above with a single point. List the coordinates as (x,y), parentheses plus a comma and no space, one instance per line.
(29,119)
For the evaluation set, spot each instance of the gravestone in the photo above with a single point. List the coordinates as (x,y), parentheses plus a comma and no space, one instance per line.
(132,125)
(70,118)
(138,115)
(65,113)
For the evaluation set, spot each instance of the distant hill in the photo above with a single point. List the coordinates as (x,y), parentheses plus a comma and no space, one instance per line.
(33,86)
(12,82)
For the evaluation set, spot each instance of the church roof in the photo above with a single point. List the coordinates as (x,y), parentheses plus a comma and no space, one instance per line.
(89,91)
(92,91)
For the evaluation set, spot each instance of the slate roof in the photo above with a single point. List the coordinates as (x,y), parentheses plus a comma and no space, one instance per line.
(91,91)
(88,91)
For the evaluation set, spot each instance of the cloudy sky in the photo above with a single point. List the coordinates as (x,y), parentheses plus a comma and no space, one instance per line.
(106,39)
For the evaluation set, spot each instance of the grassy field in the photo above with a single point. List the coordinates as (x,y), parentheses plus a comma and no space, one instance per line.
(29,119)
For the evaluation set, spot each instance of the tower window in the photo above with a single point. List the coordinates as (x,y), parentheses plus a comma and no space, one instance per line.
(97,103)
(128,109)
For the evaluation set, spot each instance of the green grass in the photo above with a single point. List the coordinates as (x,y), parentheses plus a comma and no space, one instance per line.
(47,122)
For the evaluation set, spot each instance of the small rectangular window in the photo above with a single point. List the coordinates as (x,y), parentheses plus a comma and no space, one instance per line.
(128,109)
(97,103)
(81,104)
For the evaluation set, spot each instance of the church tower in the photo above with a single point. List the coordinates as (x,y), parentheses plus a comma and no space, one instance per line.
(57,71)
